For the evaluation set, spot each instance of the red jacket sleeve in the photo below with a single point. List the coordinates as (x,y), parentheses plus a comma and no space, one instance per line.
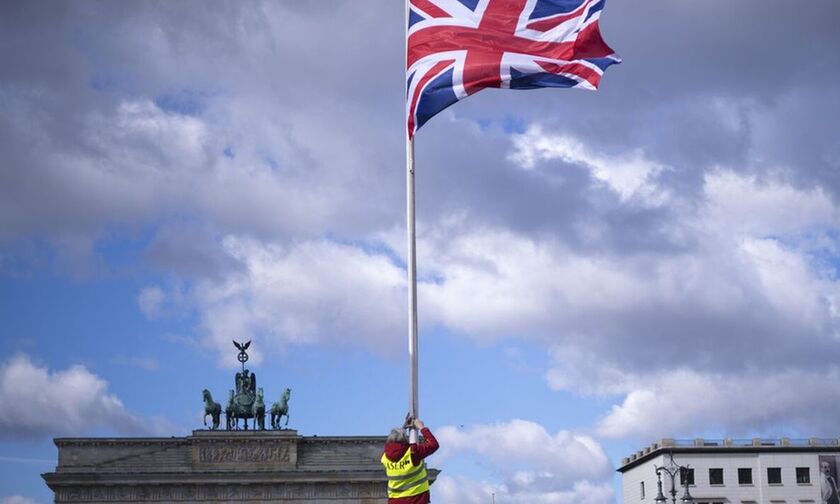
(419,451)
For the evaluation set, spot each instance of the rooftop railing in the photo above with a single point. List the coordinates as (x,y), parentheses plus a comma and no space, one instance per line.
(725,443)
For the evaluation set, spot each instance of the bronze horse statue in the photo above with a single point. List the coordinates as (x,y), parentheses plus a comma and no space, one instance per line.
(230,422)
(211,408)
(258,410)
(280,409)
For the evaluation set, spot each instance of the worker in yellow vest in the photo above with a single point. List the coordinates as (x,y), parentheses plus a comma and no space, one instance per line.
(408,482)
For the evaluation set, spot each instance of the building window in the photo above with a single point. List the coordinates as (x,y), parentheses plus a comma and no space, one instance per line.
(716,476)
(686,476)
(803,475)
(774,475)
(744,476)
(642,489)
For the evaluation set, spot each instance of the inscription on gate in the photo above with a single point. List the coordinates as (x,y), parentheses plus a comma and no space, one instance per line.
(252,454)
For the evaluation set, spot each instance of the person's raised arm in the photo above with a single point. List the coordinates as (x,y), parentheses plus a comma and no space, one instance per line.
(427,447)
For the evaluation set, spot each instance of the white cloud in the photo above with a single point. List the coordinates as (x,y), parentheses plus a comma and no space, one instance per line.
(308,292)
(791,284)
(463,490)
(495,282)
(150,301)
(743,204)
(17,499)
(586,372)
(160,139)
(521,443)
(36,402)
(684,402)
(528,463)
(630,175)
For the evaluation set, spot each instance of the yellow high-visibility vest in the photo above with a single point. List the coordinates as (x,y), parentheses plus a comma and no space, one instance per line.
(404,478)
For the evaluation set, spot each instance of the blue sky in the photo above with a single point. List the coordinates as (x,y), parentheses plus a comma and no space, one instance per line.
(597,270)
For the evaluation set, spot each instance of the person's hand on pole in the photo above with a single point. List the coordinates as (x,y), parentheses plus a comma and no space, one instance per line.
(418,424)
(409,421)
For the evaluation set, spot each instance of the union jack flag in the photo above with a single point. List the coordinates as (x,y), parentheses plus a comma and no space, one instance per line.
(458,47)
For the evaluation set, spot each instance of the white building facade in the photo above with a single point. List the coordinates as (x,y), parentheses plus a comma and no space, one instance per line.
(753,471)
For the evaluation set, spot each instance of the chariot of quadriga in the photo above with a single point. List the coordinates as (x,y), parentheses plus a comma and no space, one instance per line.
(246,401)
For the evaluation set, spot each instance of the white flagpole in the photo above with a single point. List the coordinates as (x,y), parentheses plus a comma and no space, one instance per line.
(414,407)
(413,404)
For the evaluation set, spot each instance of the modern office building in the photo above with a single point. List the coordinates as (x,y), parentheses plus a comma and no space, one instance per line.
(732,471)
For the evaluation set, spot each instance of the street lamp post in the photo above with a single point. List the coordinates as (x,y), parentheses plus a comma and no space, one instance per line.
(672,469)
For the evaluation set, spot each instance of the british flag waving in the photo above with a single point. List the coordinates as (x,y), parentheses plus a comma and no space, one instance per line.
(458,47)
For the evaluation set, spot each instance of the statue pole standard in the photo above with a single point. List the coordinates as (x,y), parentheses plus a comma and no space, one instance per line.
(413,403)
(246,390)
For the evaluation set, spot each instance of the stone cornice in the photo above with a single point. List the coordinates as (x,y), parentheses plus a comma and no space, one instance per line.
(214,477)
(370,492)
(65,442)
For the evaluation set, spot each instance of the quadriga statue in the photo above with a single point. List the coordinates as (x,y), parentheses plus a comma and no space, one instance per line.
(246,401)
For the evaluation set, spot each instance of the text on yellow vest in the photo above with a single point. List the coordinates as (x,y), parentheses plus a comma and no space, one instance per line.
(404,478)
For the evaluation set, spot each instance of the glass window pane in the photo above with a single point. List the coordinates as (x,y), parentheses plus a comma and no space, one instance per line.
(686,474)
(744,476)
(774,475)
(803,475)
(716,476)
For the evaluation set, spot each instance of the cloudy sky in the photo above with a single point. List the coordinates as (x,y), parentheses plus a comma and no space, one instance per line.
(597,270)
